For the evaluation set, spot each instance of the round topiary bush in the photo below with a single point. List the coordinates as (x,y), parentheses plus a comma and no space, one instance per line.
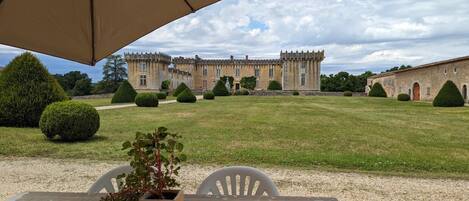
(162,95)
(348,93)
(146,100)
(449,96)
(186,97)
(70,120)
(403,97)
(220,89)
(274,85)
(377,91)
(208,95)
(296,93)
(180,89)
(124,94)
(26,89)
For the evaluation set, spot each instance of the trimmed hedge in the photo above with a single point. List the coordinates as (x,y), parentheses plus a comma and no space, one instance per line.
(348,93)
(124,94)
(186,97)
(26,89)
(70,120)
(296,93)
(208,95)
(182,87)
(146,100)
(242,92)
(449,96)
(162,95)
(377,90)
(220,89)
(274,85)
(403,97)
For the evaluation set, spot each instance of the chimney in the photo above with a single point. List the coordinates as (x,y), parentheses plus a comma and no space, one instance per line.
(231,57)
(247,57)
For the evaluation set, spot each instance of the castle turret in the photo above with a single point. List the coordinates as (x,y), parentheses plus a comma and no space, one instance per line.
(301,70)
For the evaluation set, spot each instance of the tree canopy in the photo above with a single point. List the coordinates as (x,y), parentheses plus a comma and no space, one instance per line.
(344,81)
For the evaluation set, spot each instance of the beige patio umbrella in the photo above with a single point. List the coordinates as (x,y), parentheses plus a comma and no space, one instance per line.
(86,31)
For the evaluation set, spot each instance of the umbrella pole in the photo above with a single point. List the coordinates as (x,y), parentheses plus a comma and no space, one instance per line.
(93,57)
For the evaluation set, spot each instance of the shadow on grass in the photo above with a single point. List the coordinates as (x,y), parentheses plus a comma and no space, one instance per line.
(96,138)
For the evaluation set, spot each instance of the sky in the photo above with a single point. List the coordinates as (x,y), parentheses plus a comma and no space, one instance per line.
(356,35)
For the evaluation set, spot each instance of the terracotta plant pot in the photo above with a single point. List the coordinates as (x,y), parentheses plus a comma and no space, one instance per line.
(170,195)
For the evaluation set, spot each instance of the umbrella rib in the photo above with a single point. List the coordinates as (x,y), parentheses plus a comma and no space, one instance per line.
(93,57)
(190,6)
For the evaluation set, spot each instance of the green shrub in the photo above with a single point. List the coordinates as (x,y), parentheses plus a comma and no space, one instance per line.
(242,92)
(208,95)
(186,97)
(146,100)
(348,93)
(124,94)
(248,82)
(165,85)
(220,89)
(162,95)
(403,97)
(274,85)
(377,90)
(182,87)
(449,96)
(82,87)
(26,89)
(70,120)
(296,93)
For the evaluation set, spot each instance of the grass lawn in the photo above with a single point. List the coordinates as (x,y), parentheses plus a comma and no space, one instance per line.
(338,133)
(96,102)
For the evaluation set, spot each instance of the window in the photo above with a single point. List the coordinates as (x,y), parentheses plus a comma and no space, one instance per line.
(303,74)
(143,67)
(204,71)
(271,71)
(455,70)
(428,91)
(256,71)
(237,71)
(303,79)
(218,71)
(143,80)
(205,84)
(446,71)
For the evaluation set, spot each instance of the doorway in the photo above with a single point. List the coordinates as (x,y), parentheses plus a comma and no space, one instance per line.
(416,92)
(237,86)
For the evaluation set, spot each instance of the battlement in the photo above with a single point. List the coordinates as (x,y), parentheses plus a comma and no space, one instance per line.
(231,60)
(316,56)
(154,57)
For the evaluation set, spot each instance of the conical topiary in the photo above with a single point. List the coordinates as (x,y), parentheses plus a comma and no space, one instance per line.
(220,89)
(180,89)
(377,90)
(26,89)
(449,96)
(186,97)
(124,94)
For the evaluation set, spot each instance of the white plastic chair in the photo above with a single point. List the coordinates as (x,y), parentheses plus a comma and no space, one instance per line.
(105,181)
(244,176)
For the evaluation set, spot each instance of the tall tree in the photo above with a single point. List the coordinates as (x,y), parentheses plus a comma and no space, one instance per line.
(114,70)
(344,81)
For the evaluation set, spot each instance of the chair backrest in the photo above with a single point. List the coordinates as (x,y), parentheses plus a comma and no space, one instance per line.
(238,180)
(105,181)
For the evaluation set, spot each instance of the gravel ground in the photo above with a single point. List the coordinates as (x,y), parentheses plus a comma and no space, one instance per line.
(40,174)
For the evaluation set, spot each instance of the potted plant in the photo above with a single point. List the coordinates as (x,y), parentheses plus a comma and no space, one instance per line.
(155,158)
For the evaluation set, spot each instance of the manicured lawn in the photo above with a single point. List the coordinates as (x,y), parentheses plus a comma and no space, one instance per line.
(344,133)
(96,102)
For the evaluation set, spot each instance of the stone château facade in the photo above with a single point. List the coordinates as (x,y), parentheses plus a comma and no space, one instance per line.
(294,70)
(425,81)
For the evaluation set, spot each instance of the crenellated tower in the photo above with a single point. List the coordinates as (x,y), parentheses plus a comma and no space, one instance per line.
(301,70)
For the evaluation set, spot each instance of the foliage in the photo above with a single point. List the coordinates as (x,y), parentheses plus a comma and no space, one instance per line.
(104,87)
(377,91)
(186,97)
(26,89)
(165,84)
(161,95)
(296,93)
(449,96)
(70,120)
(114,72)
(125,94)
(274,85)
(230,79)
(403,97)
(208,95)
(82,87)
(396,68)
(348,93)
(344,81)
(248,82)
(182,87)
(220,89)
(155,158)
(242,92)
(146,100)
